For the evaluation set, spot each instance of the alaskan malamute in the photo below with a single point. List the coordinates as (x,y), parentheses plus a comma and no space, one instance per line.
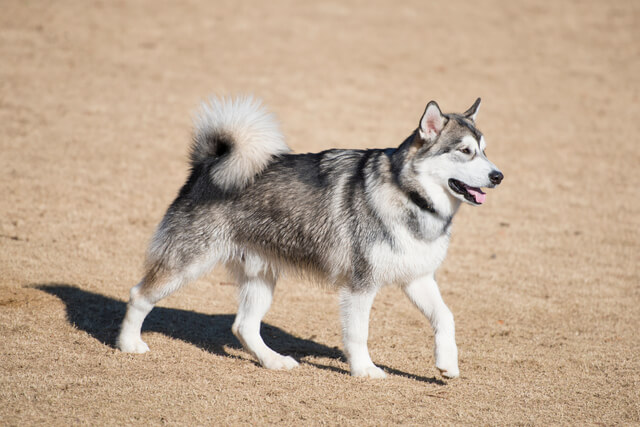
(355,219)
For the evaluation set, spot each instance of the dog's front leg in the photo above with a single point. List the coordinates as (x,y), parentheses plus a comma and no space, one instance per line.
(354,309)
(424,293)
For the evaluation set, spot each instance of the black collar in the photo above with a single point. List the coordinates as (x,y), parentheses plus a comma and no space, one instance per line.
(421,202)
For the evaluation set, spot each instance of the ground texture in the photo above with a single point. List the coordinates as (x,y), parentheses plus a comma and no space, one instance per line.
(544,279)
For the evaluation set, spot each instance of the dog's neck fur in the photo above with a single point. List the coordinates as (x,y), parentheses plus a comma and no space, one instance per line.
(447,204)
(432,206)
(427,199)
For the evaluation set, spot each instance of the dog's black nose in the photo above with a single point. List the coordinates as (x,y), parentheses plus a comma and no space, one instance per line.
(496,177)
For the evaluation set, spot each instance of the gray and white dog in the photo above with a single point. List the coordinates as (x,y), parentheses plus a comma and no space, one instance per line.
(356,219)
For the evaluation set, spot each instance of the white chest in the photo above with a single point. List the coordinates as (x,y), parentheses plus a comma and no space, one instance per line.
(407,259)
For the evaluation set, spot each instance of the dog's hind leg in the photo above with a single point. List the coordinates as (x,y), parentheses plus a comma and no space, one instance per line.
(355,308)
(255,296)
(143,297)
(424,293)
(158,283)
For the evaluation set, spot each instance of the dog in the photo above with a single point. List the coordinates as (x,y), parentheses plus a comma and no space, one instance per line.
(355,219)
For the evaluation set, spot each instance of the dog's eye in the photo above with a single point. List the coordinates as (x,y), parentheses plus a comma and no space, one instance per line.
(465,151)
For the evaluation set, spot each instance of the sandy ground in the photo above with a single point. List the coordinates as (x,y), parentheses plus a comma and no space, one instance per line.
(544,280)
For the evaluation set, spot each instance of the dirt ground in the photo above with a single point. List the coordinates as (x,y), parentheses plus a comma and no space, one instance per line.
(544,279)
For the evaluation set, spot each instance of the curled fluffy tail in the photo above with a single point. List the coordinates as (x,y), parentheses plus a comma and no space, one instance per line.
(238,138)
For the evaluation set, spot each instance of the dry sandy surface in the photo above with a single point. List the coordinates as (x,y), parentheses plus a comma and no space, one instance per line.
(95,111)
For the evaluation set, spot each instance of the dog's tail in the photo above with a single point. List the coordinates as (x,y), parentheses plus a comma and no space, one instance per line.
(238,138)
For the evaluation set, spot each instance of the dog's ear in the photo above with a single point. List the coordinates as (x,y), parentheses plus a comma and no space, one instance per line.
(472,112)
(432,122)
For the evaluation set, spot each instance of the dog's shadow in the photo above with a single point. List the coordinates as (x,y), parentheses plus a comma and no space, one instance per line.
(100,316)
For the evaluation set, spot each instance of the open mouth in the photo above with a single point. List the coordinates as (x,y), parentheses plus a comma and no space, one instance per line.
(472,194)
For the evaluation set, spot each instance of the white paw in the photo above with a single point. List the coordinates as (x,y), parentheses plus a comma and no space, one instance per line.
(447,360)
(368,372)
(132,345)
(449,372)
(279,362)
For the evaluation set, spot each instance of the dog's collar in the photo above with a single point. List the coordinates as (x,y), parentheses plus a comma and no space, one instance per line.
(421,202)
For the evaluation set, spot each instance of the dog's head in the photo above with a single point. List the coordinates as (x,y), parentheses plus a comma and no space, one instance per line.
(449,151)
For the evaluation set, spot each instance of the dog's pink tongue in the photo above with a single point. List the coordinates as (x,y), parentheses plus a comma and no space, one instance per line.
(478,195)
